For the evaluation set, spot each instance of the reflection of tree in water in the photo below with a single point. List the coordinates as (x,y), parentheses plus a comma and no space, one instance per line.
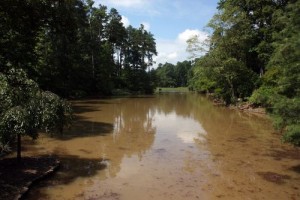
(134,116)
(184,105)
(215,120)
(103,134)
(133,129)
(132,134)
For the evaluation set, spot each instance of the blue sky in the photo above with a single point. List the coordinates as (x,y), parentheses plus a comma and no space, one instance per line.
(171,22)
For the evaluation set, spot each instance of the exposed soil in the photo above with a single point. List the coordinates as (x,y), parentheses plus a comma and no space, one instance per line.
(241,106)
(16,178)
(247,107)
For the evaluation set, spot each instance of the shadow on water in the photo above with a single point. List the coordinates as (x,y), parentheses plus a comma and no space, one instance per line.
(141,97)
(81,125)
(279,154)
(295,168)
(79,109)
(85,128)
(92,101)
(71,168)
(84,106)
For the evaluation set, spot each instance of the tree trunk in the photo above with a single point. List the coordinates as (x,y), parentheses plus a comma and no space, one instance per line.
(19,148)
(232,99)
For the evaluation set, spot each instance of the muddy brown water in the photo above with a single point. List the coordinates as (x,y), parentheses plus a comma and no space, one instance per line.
(168,146)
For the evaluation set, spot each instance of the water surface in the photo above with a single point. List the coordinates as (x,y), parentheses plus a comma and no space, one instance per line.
(169,146)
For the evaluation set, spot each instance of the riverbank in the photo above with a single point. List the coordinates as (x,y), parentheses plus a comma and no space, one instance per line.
(240,106)
(249,108)
(17,178)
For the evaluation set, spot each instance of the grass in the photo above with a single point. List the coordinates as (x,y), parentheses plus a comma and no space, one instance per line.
(178,89)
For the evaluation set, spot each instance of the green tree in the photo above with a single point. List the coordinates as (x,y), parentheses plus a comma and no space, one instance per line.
(196,48)
(239,47)
(166,75)
(117,37)
(25,109)
(61,58)
(19,23)
(138,57)
(169,75)
(74,49)
(182,70)
(280,92)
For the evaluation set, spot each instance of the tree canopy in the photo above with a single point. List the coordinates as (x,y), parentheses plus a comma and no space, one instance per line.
(25,109)
(73,48)
(169,75)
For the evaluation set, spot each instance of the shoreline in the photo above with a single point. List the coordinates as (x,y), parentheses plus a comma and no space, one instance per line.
(16,179)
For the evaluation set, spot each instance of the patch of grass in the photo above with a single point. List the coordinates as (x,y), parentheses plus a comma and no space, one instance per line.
(178,89)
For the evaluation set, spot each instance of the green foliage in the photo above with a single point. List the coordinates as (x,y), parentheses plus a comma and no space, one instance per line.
(281,84)
(56,112)
(73,48)
(166,75)
(169,75)
(18,109)
(262,96)
(137,60)
(26,109)
(223,76)
(204,78)
(292,135)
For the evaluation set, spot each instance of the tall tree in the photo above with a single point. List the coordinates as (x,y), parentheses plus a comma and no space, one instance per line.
(116,35)
(19,23)
(71,47)
(138,56)
(58,47)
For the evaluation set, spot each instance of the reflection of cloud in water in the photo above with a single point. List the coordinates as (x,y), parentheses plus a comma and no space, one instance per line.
(191,137)
(186,129)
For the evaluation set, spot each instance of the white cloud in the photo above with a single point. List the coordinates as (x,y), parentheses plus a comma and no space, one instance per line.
(173,51)
(172,55)
(146,26)
(190,137)
(125,21)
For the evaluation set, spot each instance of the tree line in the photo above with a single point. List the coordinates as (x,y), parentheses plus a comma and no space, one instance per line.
(253,54)
(72,48)
(170,75)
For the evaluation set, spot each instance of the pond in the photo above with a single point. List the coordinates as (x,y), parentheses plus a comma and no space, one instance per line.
(167,146)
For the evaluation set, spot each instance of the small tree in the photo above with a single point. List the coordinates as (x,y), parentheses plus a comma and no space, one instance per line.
(25,109)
